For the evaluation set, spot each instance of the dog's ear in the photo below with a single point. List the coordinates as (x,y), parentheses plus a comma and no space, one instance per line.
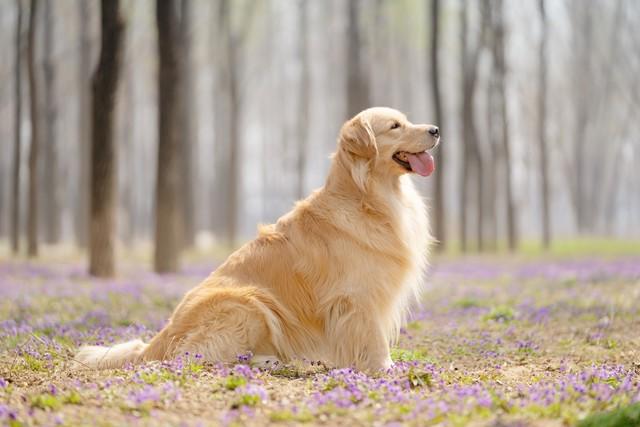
(358,143)
(357,138)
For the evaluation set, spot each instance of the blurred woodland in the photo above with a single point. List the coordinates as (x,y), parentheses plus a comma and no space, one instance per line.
(184,123)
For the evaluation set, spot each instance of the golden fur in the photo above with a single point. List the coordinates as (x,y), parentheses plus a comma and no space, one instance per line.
(331,280)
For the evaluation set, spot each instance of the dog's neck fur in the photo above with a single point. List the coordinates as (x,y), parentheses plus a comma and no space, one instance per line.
(379,202)
(351,175)
(385,199)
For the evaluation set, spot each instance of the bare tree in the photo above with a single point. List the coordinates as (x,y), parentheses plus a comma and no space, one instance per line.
(542,128)
(605,179)
(32,219)
(471,157)
(227,124)
(15,197)
(51,209)
(233,103)
(103,151)
(594,122)
(222,169)
(493,136)
(358,89)
(583,35)
(81,222)
(501,75)
(228,104)
(491,225)
(439,218)
(188,124)
(127,147)
(303,96)
(272,128)
(268,83)
(168,210)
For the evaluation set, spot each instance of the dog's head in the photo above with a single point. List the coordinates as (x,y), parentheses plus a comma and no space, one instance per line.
(381,141)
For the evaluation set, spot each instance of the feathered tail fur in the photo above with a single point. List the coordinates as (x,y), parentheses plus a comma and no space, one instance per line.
(117,356)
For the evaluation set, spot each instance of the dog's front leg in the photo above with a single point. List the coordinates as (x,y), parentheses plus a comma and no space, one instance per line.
(356,337)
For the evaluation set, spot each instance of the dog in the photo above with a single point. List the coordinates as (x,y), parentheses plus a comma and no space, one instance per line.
(331,280)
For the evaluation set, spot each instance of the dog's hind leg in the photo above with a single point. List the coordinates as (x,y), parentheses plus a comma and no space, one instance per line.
(220,328)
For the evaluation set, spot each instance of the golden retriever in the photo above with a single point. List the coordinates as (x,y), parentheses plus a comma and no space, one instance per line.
(331,280)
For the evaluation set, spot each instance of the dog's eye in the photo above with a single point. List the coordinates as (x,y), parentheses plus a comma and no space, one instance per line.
(396,125)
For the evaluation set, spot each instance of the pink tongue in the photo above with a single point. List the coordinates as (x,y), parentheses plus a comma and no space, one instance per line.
(422,163)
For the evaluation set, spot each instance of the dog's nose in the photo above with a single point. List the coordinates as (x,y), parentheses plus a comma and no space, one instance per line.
(434,131)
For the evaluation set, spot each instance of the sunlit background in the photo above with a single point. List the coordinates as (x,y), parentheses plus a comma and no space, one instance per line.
(267,84)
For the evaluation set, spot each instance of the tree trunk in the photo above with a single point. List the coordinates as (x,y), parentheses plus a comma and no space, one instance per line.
(188,126)
(464,167)
(15,202)
(103,151)
(595,122)
(439,218)
(303,100)
(228,132)
(542,129)
(270,135)
(223,204)
(501,71)
(582,84)
(220,175)
(228,98)
(479,172)
(127,180)
(603,212)
(168,209)
(51,195)
(234,141)
(491,165)
(471,160)
(358,90)
(475,171)
(32,220)
(81,223)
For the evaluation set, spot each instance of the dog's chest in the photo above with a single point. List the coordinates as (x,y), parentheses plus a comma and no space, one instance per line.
(412,223)
(400,266)
(415,234)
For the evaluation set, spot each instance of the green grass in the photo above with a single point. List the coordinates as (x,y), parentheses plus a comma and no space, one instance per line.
(46,401)
(502,313)
(161,376)
(232,382)
(586,246)
(73,398)
(403,355)
(564,248)
(502,339)
(248,400)
(627,416)
(286,415)
(34,364)
(468,302)
(331,384)
(419,379)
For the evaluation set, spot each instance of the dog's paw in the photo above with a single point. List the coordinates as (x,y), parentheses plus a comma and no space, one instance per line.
(265,362)
(374,367)
(388,363)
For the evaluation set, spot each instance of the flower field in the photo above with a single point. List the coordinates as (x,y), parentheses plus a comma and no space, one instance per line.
(497,342)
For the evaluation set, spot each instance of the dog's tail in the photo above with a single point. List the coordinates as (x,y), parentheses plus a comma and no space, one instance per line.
(160,347)
(97,357)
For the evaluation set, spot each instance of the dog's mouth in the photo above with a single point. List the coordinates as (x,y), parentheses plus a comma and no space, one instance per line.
(421,163)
